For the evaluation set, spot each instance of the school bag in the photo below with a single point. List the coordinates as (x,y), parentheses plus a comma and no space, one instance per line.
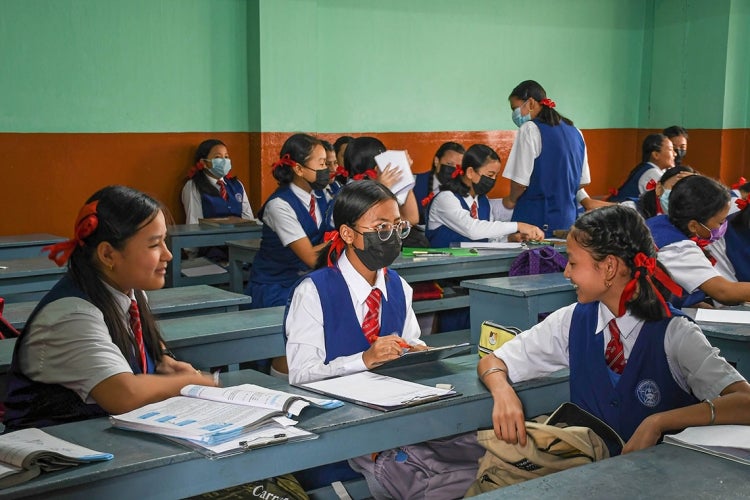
(493,335)
(284,487)
(538,261)
(551,446)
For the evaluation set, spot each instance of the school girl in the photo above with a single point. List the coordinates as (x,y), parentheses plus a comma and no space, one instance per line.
(655,201)
(548,164)
(657,373)
(427,184)
(91,347)
(738,238)
(353,313)
(657,155)
(691,242)
(461,211)
(679,137)
(210,191)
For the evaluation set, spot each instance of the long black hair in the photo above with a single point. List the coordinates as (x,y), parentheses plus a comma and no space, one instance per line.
(201,182)
(351,203)
(622,232)
(530,88)
(696,198)
(360,154)
(121,212)
(299,147)
(475,157)
(647,201)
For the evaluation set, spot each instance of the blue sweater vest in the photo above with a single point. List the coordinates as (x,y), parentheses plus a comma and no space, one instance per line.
(35,404)
(276,264)
(645,387)
(665,233)
(738,250)
(629,189)
(421,190)
(343,332)
(549,201)
(216,206)
(443,236)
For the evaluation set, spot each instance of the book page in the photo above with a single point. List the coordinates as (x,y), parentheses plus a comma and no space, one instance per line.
(264,436)
(722,316)
(492,245)
(731,442)
(21,448)
(247,395)
(400,161)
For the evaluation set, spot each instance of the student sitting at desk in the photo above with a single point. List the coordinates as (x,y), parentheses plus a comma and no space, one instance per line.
(691,242)
(657,155)
(461,211)
(427,184)
(91,347)
(657,373)
(655,201)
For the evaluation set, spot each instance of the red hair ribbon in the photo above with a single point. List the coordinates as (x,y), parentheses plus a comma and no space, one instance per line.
(646,266)
(547,102)
(741,203)
(457,172)
(195,169)
(340,170)
(337,244)
(367,174)
(613,191)
(651,185)
(284,160)
(740,182)
(427,199)
(702,244)
(86,224)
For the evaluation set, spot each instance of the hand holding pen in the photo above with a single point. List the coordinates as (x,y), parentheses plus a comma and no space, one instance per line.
(384,349)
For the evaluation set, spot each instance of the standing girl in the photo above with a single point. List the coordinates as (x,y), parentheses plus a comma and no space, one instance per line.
(91,347)
(547,164)
(461,211)
(209,191)
(658,373)
(691,242)
(292,221)
(427,184)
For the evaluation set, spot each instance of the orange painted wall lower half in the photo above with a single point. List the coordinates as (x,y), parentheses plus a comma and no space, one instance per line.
(47,177)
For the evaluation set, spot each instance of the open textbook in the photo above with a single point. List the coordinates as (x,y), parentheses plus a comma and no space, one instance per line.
(212,415)
(26,453)
(726,441)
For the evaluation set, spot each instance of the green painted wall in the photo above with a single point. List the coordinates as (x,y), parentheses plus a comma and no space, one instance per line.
(384,65)
(123,66)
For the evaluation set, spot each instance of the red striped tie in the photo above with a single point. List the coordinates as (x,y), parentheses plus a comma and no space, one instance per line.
(371,324)
(135,325)
(614,355)
(222,189)
(474,210)
(312,208)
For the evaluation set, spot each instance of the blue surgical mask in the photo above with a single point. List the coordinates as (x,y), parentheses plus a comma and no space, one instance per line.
(664,201)
(718,233)
(518,118)
(220,167)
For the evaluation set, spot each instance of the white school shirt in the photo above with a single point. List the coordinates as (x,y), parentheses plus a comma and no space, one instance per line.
(305,346)
(527,146)
(688,265)
(653,172)
(191,200)
(446,210)
(69,344)
(282,219)
(694,364)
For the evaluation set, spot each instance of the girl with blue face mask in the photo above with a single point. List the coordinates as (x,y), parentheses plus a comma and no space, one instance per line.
(547,165)
(210,191)
(691,243)
(655,201)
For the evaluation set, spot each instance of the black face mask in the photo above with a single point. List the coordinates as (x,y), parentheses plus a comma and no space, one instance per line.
(680,155)
(445,174)
(484,185)
(322,178)
(378,254)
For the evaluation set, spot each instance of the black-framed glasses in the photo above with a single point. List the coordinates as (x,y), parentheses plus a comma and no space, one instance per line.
(385,230)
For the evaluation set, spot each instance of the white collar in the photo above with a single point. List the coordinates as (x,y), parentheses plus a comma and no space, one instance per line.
(358,285)
(627,323)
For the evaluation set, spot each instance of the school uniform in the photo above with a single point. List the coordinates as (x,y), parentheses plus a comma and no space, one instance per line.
(422,189)
(323,320)
(686,261)
(635,185)
(201,205)
(553,164)
(65,351)
(449,220)
(738,251)
(670,364)
(286,219)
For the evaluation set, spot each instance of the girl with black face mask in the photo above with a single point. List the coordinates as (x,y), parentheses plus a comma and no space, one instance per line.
(427,184)
(461,210)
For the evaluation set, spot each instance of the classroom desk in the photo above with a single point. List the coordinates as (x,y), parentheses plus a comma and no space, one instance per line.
(150,467)
(182,236)
(23,246)
(165,303)
(240,251)
(732,339)
(662,471)
(27,276)
(517,300)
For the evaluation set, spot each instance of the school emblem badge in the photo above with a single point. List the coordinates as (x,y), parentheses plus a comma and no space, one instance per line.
(648,393)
